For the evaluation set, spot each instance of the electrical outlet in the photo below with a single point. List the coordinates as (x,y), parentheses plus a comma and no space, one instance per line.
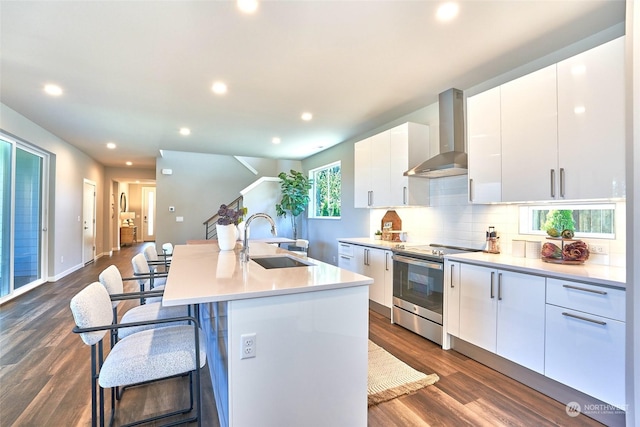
(598,248)
(248,346)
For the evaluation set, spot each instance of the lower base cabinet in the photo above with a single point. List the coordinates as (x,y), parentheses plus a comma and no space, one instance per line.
(585,339)
(503,312)
(372,262)
(571,332)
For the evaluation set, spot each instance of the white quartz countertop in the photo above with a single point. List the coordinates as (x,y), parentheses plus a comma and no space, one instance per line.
(203,273)
(593,273)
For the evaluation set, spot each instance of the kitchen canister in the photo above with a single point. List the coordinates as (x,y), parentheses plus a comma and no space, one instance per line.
(533,248)
(518,248)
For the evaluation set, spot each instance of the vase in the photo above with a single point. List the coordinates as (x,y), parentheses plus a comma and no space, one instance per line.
(227,236)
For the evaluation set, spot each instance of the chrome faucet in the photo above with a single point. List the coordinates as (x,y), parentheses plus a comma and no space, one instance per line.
(244,253)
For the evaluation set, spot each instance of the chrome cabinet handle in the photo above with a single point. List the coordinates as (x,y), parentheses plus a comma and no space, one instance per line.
(586,319)
(499,286)
(452,269)
(553,183)
(561,182)
(471,189)
(344,257)
(404,195)
(493,274)
(578,288)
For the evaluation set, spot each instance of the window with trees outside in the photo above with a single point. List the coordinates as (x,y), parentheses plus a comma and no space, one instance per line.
(326,191)
(590,221)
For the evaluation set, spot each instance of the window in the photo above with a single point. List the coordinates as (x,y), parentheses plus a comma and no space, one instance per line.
(326,191)
(591,221)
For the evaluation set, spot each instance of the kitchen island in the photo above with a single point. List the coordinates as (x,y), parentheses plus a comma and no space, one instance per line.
(304,328)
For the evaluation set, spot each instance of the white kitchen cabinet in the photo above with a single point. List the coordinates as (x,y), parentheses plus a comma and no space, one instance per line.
(371,262)
(409,145)
(345,257)
(585,339)
(451,302)
(530,137)
(591,123)
(371,169)
(586,352)
(484,146)
(559,134)
(380,162)
(478,306)
(503,312)
(521,311)
(377,265)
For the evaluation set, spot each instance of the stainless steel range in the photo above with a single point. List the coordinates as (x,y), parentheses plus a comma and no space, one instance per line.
(418,282)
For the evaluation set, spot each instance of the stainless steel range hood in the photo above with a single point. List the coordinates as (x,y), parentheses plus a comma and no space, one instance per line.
(452,159)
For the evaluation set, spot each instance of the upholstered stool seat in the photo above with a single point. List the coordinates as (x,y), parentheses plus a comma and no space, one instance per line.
(150,355)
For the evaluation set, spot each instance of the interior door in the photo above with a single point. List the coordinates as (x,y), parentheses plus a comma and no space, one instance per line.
(148,214)
(88,222)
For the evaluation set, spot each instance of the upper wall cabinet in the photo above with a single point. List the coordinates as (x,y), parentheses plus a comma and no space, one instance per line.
(555,134)
(380,162)
(529,136)
(484,147)
(591,123)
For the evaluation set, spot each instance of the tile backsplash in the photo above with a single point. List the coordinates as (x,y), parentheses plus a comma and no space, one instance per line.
(452,220)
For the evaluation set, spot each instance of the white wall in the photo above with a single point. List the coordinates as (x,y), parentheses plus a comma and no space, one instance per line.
(69,167)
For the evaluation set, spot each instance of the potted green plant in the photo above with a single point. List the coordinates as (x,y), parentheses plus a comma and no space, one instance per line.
(378,235)
(295,196)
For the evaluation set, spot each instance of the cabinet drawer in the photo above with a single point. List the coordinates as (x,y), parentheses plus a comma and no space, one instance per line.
(586,352)
(347,262)
(598,300)
(345,249)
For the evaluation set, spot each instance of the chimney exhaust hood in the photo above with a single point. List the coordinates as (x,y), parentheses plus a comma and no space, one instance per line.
(452,159)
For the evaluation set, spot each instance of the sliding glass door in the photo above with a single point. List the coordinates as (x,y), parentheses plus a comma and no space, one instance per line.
(23,223)
(5,210)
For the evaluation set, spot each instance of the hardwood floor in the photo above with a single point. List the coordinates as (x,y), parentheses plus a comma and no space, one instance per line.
(44,372)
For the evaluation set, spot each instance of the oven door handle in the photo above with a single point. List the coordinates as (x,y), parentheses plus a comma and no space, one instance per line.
(418,262)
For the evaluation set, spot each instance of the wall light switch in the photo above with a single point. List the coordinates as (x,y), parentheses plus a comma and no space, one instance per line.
(179,219)
(172,208)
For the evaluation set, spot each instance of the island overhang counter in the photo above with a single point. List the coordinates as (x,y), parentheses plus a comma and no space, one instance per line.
(309,332)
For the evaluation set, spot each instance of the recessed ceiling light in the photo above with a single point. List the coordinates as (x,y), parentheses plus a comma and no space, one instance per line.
(185,131)
(53,90)
(219,88)
(247,6)
(579,109)
(447,11)
(275,140)
(128,163)
(306,116)
(111,145)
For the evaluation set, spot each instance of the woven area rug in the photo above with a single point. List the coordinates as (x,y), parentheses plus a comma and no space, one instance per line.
(390,377)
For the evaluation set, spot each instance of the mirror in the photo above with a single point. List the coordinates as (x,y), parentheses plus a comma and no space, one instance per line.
(123,202)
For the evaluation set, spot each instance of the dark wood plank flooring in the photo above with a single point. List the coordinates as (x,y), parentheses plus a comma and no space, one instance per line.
(44,372)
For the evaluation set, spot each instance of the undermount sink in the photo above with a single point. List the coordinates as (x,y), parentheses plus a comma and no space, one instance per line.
(280,261)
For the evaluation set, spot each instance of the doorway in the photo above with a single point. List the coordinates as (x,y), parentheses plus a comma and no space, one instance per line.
(148,214)
(88,222)
(23,237)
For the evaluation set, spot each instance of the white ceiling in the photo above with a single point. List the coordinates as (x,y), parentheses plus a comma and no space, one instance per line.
(134,72)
